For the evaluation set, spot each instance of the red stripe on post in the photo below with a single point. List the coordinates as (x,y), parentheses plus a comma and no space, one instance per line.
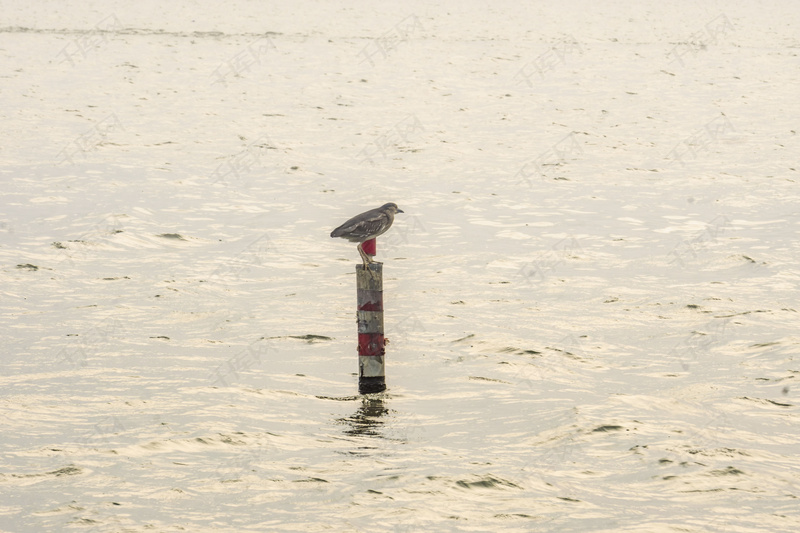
(371,344)
(369,300)
(370,247)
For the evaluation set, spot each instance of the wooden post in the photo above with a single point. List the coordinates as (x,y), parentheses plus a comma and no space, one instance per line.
(371,344)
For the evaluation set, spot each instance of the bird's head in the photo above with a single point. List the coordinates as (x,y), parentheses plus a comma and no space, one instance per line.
(391,206)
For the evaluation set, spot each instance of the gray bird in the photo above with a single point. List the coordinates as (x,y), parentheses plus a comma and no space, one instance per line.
(366,226)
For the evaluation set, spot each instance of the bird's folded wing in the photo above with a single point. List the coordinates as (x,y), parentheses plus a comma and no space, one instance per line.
(362,229)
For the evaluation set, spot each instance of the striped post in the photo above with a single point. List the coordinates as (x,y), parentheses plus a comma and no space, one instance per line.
(371,344)
(370,247)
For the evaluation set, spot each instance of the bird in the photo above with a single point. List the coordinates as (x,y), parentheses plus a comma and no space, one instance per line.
(366,226)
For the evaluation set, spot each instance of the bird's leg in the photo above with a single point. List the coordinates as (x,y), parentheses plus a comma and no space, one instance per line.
(364,257)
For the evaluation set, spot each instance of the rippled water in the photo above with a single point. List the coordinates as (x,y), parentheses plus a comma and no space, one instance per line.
(591,298)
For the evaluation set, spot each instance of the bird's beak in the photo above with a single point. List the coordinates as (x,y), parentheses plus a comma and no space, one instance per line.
(400,211)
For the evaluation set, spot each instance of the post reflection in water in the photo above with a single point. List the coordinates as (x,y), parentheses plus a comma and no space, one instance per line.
(366,421)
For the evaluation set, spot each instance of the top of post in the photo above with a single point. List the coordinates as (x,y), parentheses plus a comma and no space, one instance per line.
(370,278)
